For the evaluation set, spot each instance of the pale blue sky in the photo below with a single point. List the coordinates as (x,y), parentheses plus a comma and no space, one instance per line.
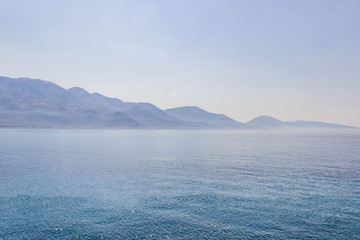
(288,59)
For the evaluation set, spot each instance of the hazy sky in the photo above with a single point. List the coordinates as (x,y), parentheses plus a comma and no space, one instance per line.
(288,59)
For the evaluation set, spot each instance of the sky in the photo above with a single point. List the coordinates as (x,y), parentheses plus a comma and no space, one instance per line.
(293,60)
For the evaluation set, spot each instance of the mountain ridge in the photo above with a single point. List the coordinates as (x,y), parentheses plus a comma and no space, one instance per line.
(196,114)
(26,102)
(267,122)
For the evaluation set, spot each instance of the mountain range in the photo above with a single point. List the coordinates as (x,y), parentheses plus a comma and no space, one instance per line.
(35,103)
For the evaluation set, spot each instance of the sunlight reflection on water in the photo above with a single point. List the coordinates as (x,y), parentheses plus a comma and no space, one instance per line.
(179,185)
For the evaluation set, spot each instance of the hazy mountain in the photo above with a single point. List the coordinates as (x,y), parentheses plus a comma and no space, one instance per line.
(66,119)
(145,113)
(267,122)
(38,103)
(151,115)
(28,102)
(198,115)
(316,124)
(33,94)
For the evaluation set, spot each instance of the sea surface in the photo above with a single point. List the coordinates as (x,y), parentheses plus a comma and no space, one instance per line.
(155,184)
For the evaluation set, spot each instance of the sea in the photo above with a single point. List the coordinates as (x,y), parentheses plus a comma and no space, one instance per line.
(179,184)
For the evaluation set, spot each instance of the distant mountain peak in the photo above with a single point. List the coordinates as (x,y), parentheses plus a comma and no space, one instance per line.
(187,108)
(264,118)
(192,107)
(27,80)
(266,122)
(78,90)
(196,114)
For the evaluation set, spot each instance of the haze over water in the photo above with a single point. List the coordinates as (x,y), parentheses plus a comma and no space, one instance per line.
(179,184)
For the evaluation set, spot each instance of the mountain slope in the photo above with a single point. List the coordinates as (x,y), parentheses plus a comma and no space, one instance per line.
(66,119)
(316,124)
(34,94)
(198,115)
(36,103)
(266,122)
(96,101)
(145,113)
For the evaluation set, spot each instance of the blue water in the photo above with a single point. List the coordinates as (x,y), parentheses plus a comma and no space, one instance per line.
(179,185)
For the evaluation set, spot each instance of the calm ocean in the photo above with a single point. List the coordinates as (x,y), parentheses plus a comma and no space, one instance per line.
(179,184)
